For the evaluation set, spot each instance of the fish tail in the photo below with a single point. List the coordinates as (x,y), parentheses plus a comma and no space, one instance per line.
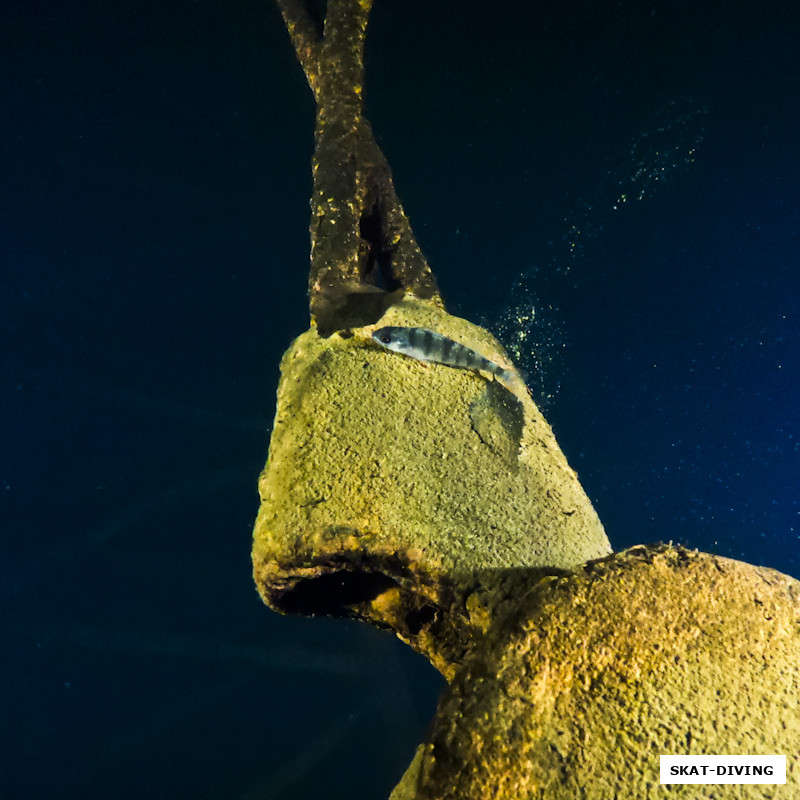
(512,381)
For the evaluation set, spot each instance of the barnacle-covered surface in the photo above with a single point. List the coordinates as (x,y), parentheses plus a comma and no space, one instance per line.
(595,674)
(415,496)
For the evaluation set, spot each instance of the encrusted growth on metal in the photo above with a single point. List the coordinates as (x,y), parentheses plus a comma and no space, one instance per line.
(364,256)
(418,474)
(435,502)
(595,674)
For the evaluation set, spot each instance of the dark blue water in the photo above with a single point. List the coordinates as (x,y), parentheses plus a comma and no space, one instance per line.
(612,187)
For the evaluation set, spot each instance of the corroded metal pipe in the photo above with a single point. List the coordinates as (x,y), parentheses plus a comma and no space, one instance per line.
(435,502)
(364,255)
(414,496)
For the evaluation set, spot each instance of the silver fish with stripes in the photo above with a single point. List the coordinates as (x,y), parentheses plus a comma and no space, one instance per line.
(426,345)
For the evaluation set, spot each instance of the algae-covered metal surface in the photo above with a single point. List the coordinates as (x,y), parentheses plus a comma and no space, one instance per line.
(435,502)
(651,651)
(361,238)
(411,487)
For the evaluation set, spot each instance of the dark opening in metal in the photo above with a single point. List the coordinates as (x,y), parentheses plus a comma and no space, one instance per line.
(333,595)
(416,620)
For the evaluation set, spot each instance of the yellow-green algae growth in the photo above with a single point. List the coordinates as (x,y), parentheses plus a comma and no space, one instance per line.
(655,650)
(403,493)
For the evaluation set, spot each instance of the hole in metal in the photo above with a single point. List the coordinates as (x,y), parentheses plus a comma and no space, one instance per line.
(333,595)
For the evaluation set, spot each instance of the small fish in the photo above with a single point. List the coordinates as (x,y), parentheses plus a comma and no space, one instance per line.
(425,345)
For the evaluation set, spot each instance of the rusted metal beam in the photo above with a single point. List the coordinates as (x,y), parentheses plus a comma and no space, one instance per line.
(364,256)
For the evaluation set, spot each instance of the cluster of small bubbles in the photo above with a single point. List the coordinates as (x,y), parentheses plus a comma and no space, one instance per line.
(660,152)
(582,227)
(530,332)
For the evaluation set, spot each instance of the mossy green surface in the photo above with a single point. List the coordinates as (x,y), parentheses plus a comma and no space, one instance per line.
(595,674)
(429,475)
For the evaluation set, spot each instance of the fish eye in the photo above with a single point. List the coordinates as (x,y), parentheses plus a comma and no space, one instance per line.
(386,338)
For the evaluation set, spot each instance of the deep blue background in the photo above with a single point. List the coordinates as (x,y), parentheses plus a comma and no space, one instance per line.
(627,173)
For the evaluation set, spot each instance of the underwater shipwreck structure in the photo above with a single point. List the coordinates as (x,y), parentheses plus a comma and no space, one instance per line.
(459,525)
